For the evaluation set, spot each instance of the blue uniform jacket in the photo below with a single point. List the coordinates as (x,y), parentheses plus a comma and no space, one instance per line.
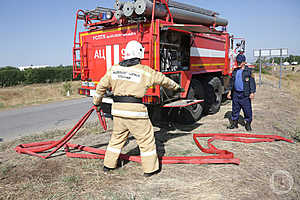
(248,81)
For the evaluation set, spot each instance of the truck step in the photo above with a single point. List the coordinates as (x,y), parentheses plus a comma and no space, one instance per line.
(183,103)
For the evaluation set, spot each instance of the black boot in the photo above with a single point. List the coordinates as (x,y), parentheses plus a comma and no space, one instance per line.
(107,169)
(147,175)
(248,126)
(233,124)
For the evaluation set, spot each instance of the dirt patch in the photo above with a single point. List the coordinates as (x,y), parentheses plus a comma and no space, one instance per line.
(44,170)
(267,170)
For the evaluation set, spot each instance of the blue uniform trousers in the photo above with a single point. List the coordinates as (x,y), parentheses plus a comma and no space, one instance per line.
(240,101)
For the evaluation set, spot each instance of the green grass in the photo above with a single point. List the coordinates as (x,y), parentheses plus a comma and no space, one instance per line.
(112,195)
(91,165)
(296,134)
(72,181)
(5,169)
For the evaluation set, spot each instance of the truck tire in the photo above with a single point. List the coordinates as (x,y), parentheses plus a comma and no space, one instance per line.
(191,114)
(214,94)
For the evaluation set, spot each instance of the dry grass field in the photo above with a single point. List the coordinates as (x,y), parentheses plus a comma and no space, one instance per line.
(267,170)
(20,96)
(290,81)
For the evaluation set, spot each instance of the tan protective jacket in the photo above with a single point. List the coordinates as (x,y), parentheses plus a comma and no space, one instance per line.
(131,81)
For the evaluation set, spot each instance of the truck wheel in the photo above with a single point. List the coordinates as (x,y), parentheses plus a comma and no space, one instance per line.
(191,114)
(215,92)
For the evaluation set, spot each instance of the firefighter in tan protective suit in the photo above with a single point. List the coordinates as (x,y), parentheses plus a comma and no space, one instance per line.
(129,82)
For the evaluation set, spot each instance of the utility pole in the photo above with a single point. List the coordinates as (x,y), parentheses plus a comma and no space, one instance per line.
(260,82)
(280,76)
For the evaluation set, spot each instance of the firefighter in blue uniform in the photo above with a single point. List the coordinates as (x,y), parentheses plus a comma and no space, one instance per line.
(242,88)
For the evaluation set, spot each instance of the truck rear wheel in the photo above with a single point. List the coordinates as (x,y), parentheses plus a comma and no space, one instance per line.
(191,114)
(214,93)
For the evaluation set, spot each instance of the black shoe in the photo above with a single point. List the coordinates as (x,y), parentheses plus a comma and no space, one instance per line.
(147,175)
(107,169)
(233,125)
(248,126)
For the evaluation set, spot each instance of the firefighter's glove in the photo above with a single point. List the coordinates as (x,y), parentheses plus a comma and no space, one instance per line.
(98,107)
(181,90)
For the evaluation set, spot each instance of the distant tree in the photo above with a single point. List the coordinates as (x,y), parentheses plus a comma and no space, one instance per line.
(263,60)
(10,76)
(290,59)
(7,68)
(275,59)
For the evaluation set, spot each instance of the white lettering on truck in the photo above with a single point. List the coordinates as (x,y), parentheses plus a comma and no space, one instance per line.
(99,54)
(115,35)
(106,54)
(99,37)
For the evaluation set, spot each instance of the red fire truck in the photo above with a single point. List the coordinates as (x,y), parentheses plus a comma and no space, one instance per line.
(188,44)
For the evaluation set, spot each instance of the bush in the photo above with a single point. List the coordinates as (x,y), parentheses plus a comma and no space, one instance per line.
(48,74)
(10,76)
(67,86)
(264,70)
(296,135)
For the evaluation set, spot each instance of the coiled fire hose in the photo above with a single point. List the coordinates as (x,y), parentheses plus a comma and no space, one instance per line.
(220,156)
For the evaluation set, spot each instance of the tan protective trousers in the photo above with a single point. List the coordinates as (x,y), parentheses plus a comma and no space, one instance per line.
(142,130)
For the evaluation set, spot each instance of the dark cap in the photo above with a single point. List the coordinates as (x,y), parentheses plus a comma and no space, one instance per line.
(240,58)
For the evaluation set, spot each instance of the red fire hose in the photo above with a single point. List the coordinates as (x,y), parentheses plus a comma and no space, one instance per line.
(220,156)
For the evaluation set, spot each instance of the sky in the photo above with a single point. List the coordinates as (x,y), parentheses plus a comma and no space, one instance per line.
(41,32)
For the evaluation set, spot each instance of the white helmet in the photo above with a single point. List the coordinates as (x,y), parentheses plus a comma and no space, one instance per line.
(134,49)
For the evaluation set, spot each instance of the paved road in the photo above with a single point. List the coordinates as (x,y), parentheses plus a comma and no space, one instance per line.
(36,119)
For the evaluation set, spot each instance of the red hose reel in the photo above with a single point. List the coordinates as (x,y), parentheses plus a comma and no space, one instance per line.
(219,156)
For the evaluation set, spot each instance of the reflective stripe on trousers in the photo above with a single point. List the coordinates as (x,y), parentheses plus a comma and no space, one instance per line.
(143,132)
(129,113)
